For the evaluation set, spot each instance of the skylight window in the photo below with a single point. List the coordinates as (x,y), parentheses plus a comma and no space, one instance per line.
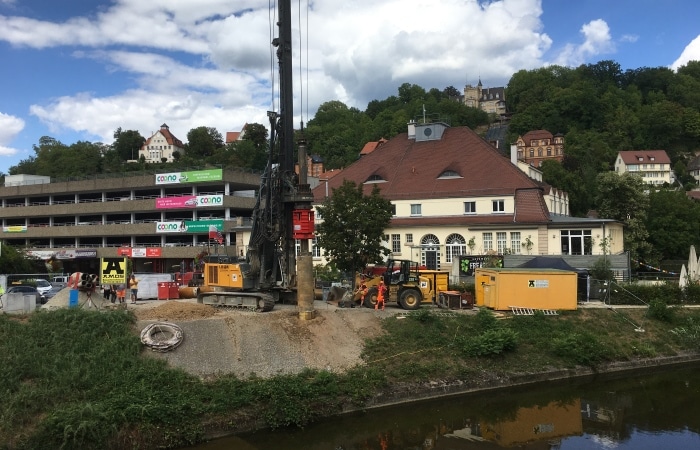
(375,179)
(449,174)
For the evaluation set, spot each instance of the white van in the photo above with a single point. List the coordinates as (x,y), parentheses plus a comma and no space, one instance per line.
(59,281)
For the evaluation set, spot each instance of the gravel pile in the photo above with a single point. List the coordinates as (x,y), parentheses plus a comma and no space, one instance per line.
(221,341)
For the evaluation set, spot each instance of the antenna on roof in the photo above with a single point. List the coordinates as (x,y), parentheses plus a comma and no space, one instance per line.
(424,113)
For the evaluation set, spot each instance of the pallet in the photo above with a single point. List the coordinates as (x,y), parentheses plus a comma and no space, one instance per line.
(522,311)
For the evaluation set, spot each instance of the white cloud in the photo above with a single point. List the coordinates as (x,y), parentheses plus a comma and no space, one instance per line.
(10,127)
(210,62)
(690,53)
(596,41)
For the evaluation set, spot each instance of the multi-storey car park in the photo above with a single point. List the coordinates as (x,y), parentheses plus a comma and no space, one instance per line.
(160,220)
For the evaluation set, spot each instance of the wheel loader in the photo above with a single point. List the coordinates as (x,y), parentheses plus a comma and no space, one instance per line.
(407,285)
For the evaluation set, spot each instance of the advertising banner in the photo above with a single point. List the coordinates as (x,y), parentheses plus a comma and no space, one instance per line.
(203,226)
(140,252)
(63,254)
(189,201)
(15,229)
(469,263)
(189,226)
(112,270)
(196,176)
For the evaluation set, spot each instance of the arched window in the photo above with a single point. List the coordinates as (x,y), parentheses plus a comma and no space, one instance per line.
(430,251)
(455,245)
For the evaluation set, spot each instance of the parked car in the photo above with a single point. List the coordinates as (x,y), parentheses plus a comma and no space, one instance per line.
(27,290)
(43,286)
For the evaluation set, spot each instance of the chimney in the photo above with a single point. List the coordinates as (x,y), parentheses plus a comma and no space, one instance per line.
(412,129)
(514,154)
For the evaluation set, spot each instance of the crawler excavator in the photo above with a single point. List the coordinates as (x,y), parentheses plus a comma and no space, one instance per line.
(281,214)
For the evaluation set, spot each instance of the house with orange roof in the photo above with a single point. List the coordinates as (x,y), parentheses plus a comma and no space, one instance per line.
(536,146)
(233,136)
(161,146)
(654,166)
(371,146)
(454,194)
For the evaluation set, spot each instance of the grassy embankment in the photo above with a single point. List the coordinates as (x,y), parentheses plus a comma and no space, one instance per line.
(77,379)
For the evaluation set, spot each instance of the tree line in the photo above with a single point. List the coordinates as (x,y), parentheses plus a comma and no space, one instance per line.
(599,108)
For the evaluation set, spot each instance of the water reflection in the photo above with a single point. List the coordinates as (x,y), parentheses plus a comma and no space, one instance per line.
(652,411)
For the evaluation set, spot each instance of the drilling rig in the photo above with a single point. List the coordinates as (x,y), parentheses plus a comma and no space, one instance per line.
(272,272)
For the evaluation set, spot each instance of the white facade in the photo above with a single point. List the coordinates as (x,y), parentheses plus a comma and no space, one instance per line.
(653,166)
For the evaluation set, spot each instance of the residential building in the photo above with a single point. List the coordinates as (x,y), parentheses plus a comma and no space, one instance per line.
(161,220)
(233,136)
(536,146)
(454,194)
(371,146)
(489,100)
(161,146)
(694,169)
(654,166)
(314,166)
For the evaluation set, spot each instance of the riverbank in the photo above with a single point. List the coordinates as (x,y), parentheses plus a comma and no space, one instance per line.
(70,367)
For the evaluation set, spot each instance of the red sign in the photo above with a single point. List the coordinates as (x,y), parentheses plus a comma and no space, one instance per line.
(147,252)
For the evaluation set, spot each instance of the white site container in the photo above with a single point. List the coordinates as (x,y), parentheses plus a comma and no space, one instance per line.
(148,285)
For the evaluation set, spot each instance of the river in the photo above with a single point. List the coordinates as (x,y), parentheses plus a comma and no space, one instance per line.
(656,410)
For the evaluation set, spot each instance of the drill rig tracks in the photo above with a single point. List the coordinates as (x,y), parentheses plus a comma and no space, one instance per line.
(253,301)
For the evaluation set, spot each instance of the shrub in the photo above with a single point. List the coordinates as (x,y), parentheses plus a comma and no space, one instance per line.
(485,320)
(490,343)
(659,310)
(579,348)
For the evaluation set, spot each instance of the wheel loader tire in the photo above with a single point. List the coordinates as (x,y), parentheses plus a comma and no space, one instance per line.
(371,298)
(410,299)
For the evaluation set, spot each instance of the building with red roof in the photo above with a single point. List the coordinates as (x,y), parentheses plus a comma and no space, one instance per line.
(654,166)
(161,146)
(454,194)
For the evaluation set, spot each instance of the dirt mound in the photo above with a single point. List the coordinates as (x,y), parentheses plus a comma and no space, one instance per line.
(172,311)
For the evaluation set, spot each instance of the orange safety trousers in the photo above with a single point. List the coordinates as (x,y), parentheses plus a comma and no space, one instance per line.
(380,299)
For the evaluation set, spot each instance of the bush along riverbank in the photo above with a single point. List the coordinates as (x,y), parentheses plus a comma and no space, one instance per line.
(77,378)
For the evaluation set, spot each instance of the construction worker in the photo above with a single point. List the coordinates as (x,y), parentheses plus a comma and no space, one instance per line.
(363,293)
(381,294)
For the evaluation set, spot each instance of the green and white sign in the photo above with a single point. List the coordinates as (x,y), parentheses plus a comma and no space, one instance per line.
(190,226)
(195,176)
(203,226)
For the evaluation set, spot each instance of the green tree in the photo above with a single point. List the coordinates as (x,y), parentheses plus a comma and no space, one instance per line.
(203,142)
(624,198)
(14,260)
(353,225)
(673,223)
(127,143)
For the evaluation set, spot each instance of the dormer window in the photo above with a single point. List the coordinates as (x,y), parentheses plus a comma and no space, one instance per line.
(449,174)
(375,179)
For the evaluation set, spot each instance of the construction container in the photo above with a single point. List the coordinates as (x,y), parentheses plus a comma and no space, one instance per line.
(544,289)
(439,280)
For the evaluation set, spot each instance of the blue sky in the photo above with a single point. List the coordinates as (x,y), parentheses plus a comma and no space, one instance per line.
(78,70)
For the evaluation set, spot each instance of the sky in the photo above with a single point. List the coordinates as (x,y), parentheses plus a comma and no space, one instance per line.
(77,70)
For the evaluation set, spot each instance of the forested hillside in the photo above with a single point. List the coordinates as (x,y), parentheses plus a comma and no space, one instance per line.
(602,110)
(599,108)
